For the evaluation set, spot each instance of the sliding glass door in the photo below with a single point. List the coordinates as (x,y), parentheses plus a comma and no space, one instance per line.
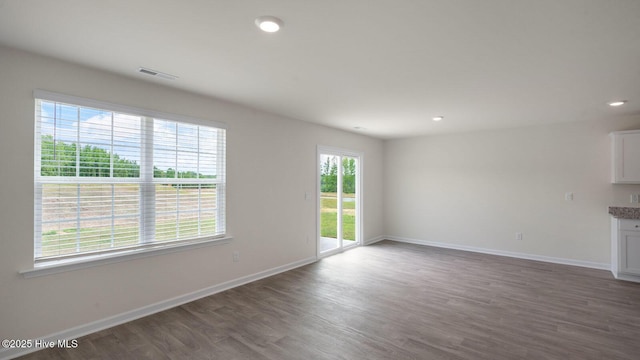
(339,205)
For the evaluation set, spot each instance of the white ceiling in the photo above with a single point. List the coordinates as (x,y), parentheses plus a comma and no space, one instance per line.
(386,65)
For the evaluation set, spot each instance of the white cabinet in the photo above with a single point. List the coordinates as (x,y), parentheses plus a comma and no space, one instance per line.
(626,157)
(625,249)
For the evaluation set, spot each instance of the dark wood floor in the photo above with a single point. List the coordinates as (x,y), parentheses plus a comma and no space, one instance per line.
(393,301)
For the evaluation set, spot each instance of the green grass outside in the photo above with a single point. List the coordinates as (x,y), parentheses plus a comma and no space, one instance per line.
(332,203)
(329,217)
(64,242)
(329,226)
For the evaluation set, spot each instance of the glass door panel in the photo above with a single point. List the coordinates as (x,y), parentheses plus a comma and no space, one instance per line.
(349,203)
(329,220)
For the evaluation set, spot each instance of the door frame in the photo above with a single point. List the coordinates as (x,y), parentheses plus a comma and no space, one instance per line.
(330,150)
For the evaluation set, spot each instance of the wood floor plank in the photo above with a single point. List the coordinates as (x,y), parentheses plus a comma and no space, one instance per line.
(393,301)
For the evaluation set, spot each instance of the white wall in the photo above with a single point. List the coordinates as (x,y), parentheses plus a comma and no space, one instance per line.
(479,189)
(271,164)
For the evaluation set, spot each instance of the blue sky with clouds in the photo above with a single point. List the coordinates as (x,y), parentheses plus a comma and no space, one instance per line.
(175,144)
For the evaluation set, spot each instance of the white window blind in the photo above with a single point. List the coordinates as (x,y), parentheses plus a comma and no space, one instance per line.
(112,178)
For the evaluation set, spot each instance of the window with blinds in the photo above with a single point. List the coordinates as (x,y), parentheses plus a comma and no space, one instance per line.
(114,178)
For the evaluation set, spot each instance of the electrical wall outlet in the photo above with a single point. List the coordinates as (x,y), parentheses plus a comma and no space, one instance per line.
(634,198)
(568,196)
(518,236)
(236,256)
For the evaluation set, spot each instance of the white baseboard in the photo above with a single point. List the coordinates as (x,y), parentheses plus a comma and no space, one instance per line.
(112,321)
(374,240)
(549,259)
(626,277)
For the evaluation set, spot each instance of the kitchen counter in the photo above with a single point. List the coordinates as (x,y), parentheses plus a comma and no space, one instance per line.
(625,212)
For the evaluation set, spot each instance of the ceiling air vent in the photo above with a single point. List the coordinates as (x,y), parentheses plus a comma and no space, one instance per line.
(157,74)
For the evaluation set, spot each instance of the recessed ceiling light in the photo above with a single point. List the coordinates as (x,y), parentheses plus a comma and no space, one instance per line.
(269,24)
(359,128)
(618,103)
(438,118)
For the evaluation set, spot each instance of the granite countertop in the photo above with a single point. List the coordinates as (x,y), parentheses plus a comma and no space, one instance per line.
(625,212)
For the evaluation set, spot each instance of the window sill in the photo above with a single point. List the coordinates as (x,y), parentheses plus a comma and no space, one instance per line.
(58,266)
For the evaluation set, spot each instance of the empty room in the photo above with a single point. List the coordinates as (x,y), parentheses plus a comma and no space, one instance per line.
(356,179)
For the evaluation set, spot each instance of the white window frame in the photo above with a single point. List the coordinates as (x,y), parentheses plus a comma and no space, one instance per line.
(146,246)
